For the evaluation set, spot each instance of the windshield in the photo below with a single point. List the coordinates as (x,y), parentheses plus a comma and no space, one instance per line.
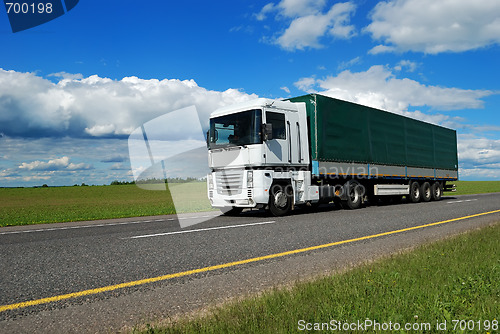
(243,128)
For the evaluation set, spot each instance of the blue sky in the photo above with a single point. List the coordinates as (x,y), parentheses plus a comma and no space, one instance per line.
(73,89)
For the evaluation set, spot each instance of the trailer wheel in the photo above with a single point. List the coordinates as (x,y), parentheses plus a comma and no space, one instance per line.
(231,211)
(415,193)
(280,201)
(426,192)
(437,191)
(354,193)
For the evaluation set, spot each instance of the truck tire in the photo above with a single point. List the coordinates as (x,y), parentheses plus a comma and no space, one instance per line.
(354,194)
(437,191)
(426,192)
(280,201)
(231,211)
(415,193)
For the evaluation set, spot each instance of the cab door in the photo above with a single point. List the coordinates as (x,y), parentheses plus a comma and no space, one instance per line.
(278,148)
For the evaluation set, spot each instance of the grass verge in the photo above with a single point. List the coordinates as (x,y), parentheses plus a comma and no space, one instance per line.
(454,279)
(475,187)
(23,206)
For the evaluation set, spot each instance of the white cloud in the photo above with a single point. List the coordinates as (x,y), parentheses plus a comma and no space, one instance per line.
(31,106)
(101,130)
(309,22)
(80,166)
(294,8)
(378,87)
(119,166)
(66,75)
(473,174)
(262,15)
(76,115)
(479,157)
(479,151)
(36,178)
(306,85)
(44,159)
(381,49)
(433,27)
(286,89)
(346,64)
(54,165)
(408,64)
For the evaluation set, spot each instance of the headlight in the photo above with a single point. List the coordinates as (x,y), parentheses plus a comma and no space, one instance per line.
(250,179)
(210,181)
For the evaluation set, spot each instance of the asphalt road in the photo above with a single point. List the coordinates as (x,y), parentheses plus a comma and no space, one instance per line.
(39,262)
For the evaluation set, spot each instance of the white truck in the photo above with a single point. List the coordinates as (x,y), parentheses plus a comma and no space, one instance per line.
(314,149)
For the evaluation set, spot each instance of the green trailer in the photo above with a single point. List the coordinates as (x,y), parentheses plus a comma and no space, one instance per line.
(348,139)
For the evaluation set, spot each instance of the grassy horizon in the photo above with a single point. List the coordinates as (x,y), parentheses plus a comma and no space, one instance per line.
(25,206)
(474,187)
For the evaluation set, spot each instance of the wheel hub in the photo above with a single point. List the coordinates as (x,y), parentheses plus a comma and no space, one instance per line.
(280,199)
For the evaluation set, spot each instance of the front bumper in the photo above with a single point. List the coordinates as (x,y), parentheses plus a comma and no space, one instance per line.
(229,188)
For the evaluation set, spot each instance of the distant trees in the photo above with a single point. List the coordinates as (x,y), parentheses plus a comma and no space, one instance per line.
(121,183)
(155,181)
(180,180)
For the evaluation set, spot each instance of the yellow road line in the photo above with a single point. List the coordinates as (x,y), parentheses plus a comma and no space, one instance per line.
(220,266)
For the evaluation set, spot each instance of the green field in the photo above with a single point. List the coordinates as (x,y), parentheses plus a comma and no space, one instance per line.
(22,206)
(475,187)
(448,281)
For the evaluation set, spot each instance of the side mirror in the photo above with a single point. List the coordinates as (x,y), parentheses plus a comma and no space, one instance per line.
(268,131)
(212,136)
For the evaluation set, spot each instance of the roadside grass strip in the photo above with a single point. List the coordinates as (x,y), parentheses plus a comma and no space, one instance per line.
(27,206)
(474,187)
(73,295)
(450,286)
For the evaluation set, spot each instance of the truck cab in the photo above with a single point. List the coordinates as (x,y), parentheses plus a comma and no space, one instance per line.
(259,156)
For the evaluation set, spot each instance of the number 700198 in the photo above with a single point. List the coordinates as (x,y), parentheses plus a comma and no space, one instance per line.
(25,8)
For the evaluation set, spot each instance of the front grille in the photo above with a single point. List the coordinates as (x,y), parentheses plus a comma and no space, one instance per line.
(229,182)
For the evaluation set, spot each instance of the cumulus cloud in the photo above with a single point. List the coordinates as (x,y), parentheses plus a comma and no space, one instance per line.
(262,15)
(433,27)
(63,161)
(66,75)
(479,157)
(410,66)
(306,84)
(378,87)
(308,21)
(32,106)
(479,151)
(381,49)
(55,165)
(293,8)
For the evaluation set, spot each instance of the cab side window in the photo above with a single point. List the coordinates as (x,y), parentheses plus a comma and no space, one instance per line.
(278,122)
